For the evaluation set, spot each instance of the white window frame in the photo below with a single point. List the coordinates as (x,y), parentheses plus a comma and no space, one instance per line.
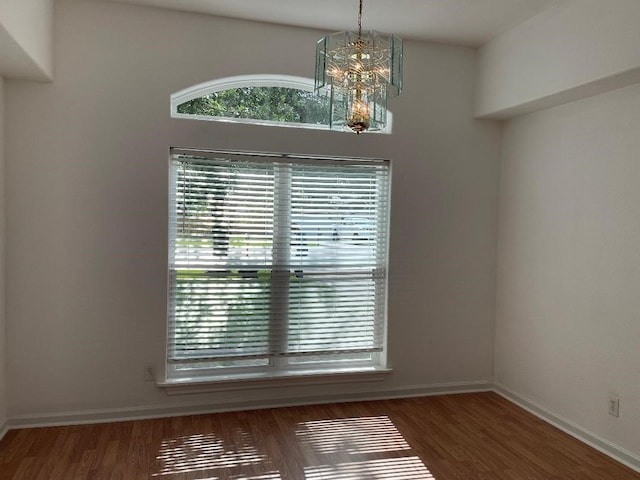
(282,372)
(256,80)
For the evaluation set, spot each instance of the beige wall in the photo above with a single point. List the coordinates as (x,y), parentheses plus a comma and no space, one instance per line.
(573,50)
(26,31)
(87,205)
(567,324)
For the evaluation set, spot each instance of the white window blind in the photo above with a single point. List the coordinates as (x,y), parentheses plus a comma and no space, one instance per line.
(275,260)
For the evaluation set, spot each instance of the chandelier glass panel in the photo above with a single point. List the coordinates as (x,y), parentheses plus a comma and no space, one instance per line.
(359,71)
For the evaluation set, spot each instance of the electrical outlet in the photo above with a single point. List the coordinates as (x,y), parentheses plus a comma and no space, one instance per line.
(149,373)
(614,405)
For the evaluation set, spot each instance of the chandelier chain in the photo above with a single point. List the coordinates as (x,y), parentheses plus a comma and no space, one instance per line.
(360,20)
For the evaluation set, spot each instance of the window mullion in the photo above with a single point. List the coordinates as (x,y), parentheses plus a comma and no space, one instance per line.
(280,272)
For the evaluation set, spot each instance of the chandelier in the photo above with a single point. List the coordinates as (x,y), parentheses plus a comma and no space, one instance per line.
(359,71)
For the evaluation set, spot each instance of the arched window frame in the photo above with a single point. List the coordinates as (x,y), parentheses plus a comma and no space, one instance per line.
(256,80)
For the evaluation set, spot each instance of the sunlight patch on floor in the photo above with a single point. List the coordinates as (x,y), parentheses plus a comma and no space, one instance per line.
(357,448)
(402,468)
(206,451)
(352,435)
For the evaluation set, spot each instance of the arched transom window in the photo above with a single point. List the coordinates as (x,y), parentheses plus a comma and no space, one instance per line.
(278,100)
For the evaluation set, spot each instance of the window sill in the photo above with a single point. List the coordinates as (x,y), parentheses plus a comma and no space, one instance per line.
(272,380)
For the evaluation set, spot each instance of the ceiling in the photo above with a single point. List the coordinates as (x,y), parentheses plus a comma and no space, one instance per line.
(459,22)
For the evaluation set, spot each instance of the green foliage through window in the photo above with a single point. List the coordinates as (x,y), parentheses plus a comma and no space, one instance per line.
(276,104)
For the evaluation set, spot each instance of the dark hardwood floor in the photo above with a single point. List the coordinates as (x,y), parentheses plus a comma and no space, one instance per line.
(469,437)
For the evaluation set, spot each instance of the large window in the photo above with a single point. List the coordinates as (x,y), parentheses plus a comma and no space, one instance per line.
(278,264)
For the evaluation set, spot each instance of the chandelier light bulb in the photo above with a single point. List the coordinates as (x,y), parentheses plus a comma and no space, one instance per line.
(359,117)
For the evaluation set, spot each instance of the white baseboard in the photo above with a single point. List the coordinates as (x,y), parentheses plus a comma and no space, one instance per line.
(176,410)
(4,427)
(610,449)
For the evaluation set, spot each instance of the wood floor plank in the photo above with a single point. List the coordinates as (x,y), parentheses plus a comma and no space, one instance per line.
(452,437)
